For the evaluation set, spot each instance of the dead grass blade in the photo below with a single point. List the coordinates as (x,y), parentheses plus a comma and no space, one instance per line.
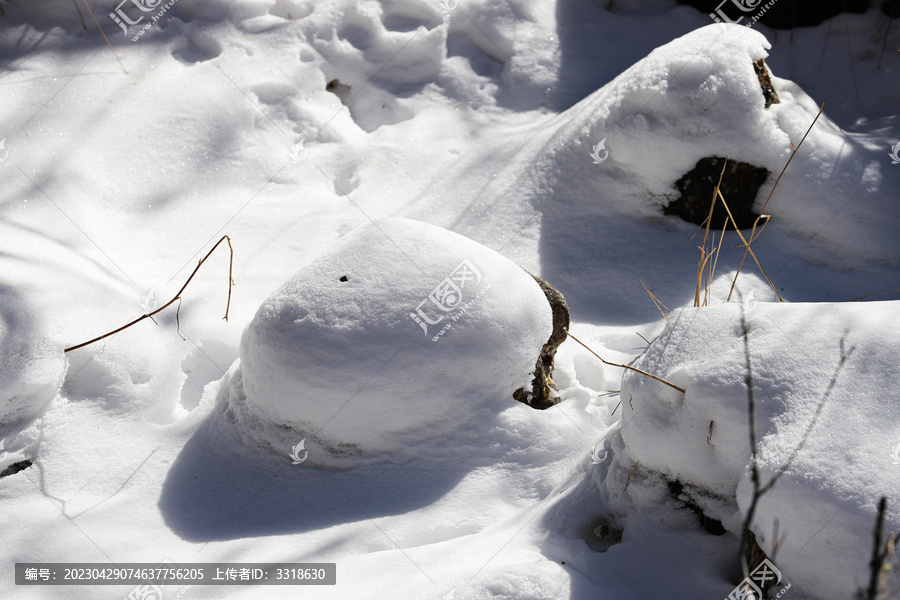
(659,305)
(861,298)
(102,33)
(750,250)
(762,215)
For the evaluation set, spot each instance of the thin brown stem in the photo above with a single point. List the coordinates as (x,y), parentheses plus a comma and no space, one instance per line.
(177,297)
(104,35)
(750,250)
(872,295)
(753,234)
(704,257)
(80,16)
(629,367)
(659,305)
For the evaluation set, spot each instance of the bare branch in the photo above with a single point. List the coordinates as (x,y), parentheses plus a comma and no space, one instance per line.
(755,477)
(612,364)
(176,297)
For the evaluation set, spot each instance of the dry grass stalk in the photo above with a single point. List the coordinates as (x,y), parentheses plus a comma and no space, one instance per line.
(630,472)
(177,296)
(101,33)
(80,16)
(763,215)
(748,249)
(659,305)
(712,270)
(861,298)
(705,268)
(704,256)
(629,367)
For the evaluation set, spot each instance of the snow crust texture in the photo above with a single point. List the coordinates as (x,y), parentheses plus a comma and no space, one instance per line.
(32,368)
(820,375)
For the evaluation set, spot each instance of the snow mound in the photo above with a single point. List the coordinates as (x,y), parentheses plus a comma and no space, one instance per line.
(621,150)
(694,97)
(32,369)
(398,332)
(824,505)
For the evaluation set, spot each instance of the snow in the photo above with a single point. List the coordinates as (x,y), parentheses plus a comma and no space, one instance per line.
(468,127)
(33,370)
(825,503)
(398,331)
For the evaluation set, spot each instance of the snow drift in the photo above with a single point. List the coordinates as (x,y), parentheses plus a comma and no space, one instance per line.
(400,330)
(824,505)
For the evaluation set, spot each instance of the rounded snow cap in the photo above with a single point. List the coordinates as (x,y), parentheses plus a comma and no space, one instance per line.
(400,330)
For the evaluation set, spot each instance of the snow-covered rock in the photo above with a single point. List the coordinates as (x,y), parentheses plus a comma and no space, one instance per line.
(398,332)
(824,505)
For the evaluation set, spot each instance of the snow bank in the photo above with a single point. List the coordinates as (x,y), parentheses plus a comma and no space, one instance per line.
(694,97)
(825,502)
(399,331)
(699,96)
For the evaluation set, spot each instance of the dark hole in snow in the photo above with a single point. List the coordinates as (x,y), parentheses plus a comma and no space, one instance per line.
(740,185)
(709,525)
(542,395)
(783,14)
(344,278)
(15,468)
(891,8)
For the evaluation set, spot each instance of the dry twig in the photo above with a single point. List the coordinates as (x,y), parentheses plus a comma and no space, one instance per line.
(760,489)
(636,370)
(177,296)
(878,569)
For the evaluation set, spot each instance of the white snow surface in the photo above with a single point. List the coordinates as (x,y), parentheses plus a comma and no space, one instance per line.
(399,330)
(121,171)
(816,368)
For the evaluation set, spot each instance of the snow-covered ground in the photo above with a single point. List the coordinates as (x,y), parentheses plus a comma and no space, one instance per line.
(287,124)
